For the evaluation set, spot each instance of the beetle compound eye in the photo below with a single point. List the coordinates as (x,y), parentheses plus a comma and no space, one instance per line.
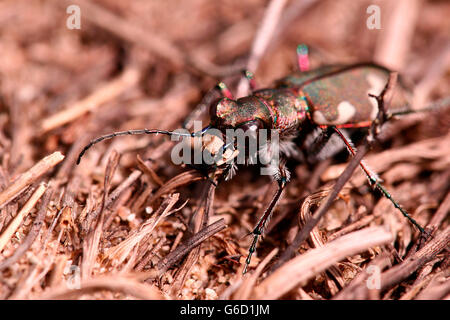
(249,131)
(253,125)
(213,108)
(225,107)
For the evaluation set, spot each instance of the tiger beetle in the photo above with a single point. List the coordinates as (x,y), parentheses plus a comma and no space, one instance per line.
(329,99)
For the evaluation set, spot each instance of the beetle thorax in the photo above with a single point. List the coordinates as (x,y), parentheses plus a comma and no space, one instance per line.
(276,109)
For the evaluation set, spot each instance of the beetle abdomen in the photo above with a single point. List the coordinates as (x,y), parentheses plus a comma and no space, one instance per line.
(339,95)
(297,79)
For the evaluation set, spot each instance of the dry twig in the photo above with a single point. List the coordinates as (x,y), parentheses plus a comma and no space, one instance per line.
(298,270)
(193,242)
(32,234)
(262,40)
(15,223)
(99,97)
(118,283)
(29,177)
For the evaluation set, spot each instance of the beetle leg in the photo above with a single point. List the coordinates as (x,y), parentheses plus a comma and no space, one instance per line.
(203,106)
(374,180)
(282,177)
(364,124)
(318,144)
(203,171)
(302,57)
(251,79)
(224,90)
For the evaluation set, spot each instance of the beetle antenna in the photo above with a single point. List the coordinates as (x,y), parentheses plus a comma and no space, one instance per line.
(138,132)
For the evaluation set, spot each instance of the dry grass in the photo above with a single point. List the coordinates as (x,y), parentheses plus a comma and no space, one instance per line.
(127,223)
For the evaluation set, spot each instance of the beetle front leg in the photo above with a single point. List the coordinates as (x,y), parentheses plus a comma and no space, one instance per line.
(282,177)
(201,108)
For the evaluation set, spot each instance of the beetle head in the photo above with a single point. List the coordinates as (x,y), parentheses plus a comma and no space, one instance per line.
(224,113)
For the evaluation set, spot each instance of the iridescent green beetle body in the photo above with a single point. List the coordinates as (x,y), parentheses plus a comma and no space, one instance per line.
(327,96)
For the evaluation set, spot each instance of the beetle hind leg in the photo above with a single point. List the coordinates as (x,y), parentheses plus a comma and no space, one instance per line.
(320,145)
(375,181)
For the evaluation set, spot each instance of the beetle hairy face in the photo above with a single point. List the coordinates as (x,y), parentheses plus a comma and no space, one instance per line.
(214,145)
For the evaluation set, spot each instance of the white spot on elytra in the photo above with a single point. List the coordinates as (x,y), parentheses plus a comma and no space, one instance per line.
(377,85)
(345,111)
(319,118)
